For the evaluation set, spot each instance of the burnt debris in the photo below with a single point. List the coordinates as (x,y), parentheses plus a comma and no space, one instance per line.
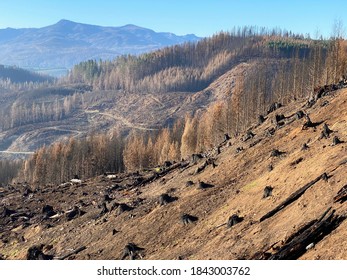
(304,147)
(6,212)
(131,250)
(74,213)
(196,157)
(188,219)
(261,119)
(276,153)
(122,207)
(103,211)
(299,115)
(35,253)
(189,183)
(341,195)
(336,141)
(249,135)
(311,233)
(202,185)
(267,191)
(309,124)
(279,118)
(326,131)
(274,107)
(297,161)
(48,211)
(165,199)
(233,220)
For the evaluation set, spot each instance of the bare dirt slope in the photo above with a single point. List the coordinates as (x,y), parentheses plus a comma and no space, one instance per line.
(237,180)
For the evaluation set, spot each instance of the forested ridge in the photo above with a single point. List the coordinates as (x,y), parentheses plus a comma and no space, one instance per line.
(193,66)
(281,67)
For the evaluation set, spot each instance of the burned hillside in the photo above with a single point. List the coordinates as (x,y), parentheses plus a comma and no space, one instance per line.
(275,191)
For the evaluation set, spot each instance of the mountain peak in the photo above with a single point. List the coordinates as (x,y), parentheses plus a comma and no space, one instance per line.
(73,42)
(130,26)
(65,22)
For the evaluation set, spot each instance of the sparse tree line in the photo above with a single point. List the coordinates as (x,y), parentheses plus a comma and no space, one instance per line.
(294,68)
(16,82)
(22,113)
(45,104)
(52,103)
(9,170)
(85,158)
(7,84)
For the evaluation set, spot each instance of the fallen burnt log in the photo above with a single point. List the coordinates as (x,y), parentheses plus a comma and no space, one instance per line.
(341,195)
(308,235)
(157,175)
(294,196)
(74,252)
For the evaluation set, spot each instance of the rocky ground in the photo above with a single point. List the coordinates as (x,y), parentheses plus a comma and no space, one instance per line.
(276,192)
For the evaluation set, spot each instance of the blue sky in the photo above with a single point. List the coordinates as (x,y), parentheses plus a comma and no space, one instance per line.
(201,17)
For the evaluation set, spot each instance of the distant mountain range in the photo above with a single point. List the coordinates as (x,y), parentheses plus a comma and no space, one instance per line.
(67,43)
